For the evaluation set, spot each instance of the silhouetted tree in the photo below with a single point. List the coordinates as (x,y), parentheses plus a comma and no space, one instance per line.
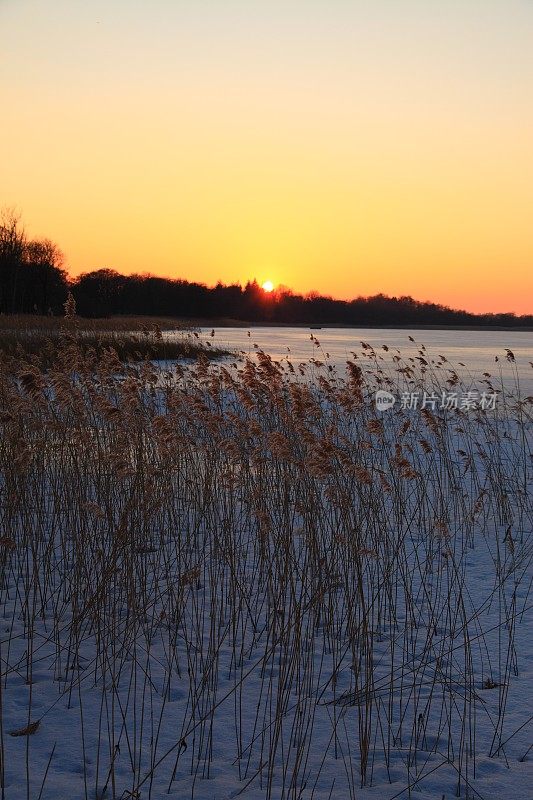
(45,282)
(101,293)
(105,292)
(12,244)
(31,275)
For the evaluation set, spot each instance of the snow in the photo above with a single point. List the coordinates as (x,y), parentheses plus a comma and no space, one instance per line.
(200,656)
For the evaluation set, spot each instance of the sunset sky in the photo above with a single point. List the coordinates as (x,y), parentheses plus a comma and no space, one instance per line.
(345,146)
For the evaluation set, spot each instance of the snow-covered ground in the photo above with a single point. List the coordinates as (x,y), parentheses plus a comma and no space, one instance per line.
(214,616)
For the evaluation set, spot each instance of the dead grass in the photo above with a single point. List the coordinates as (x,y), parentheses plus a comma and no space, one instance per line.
(131,338)
(124,324)
(214,558)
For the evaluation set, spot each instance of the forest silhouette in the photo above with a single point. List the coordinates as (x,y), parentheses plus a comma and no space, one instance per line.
(33,281)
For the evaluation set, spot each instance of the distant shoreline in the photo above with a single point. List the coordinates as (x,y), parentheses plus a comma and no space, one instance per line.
(233,323)
(119,322)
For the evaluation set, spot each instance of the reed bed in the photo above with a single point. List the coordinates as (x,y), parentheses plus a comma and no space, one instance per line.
(22,323)
(243,581)
(131,338)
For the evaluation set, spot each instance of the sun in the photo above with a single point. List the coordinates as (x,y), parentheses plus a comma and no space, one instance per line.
(268,286)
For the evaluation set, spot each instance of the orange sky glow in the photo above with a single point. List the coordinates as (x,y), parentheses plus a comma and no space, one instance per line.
(345,147)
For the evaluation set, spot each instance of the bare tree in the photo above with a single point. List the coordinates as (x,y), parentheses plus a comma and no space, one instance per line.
(32,278)
(12,246)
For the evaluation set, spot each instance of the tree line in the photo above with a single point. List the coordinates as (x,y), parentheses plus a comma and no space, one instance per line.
(32,278)
(33,281)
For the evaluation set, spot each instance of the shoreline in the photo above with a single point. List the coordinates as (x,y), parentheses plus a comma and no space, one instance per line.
(135,323)
(231,323)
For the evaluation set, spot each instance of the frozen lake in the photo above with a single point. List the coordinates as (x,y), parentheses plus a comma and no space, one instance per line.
(477,350)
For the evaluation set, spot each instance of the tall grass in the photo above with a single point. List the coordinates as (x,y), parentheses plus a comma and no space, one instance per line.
(247,577)
(131,338)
